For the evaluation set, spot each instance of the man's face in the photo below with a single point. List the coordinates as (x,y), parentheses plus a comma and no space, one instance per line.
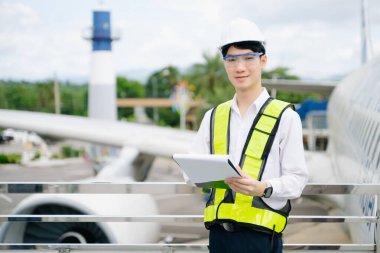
(244,72)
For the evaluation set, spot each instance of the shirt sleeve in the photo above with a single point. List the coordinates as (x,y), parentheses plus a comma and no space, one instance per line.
(293,170)
(201,143)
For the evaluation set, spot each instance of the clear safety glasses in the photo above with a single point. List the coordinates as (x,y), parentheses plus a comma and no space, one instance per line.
(232,60)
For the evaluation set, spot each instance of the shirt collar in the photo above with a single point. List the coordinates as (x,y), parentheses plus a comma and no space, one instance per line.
(256,105)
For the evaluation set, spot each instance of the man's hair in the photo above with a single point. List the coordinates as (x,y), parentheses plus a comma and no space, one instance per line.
(255,46)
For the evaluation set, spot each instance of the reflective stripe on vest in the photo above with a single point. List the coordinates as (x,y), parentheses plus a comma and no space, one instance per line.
(241,208)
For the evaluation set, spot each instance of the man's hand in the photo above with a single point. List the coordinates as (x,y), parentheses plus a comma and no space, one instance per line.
(246,184)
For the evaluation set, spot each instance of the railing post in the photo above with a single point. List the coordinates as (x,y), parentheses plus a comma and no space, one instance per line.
(377,236)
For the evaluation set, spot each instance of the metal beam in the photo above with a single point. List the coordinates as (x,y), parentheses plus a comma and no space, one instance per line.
(168,218)
(299,86)
(152,102)
(163,188)
(174,247)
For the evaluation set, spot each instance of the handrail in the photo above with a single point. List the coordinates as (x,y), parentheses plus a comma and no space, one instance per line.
(169,218)
(155,188)
(173,247)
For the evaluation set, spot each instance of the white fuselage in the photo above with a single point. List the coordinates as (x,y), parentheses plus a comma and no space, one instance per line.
(354,142)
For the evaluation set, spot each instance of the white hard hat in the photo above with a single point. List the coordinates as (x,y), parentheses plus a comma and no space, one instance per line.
(241,30)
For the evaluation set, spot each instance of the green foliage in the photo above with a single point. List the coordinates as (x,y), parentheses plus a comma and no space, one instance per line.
(296,98)
(128,89)
(55,156)
(36,156)
(10,158)
(207,80)
(160,85)
(210,80)
(210,83)
(68,152)
(20,96)
(45,96)
(278,73)
(3,100)
(74,99)
(293,97)
(39,97)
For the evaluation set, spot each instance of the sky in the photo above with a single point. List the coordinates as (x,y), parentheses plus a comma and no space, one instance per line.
(315,39)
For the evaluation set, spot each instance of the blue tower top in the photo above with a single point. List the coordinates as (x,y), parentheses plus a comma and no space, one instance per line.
(101,33)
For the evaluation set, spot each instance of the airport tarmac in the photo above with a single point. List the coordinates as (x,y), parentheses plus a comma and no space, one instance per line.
(165,170)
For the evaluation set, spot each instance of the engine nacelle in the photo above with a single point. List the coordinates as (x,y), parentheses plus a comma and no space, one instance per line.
(84,232)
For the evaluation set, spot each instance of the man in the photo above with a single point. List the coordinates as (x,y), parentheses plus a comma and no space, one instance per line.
(263,138)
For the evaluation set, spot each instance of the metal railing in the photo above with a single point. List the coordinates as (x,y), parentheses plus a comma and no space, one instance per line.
(172,188)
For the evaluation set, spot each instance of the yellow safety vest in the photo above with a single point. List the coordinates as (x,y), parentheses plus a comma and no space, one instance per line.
(231,207)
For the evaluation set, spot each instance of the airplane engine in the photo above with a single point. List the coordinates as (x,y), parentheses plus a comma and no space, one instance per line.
(83,232)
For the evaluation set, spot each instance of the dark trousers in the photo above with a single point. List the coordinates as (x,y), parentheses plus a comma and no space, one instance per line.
(221,241)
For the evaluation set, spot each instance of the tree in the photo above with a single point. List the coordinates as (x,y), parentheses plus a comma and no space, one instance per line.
(39,97)
(45,96)
(160,85)
(74,99)
(210,79)
(3,98)
(128,89)
(283,73)
(279,73)
(20,96)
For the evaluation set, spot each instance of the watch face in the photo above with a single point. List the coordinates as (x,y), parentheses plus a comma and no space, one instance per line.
(268,192)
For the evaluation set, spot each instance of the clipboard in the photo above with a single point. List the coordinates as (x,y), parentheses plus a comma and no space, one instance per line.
(207,171)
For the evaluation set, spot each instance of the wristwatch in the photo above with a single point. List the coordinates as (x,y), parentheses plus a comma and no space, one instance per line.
(268,192)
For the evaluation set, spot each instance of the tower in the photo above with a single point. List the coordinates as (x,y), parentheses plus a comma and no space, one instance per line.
(102,83)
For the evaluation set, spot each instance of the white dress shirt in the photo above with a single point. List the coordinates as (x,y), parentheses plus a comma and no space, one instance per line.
(285,169)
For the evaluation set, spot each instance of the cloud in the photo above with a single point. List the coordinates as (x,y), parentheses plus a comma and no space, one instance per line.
(17,16)
(273,12)
(32,50)
(314,50)
(174,33)
(315,38)
(209,10)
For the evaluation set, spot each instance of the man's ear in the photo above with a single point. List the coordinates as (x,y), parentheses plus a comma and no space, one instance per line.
(263,61)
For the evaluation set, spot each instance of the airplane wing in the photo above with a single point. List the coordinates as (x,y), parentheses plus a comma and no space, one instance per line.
(154,140)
